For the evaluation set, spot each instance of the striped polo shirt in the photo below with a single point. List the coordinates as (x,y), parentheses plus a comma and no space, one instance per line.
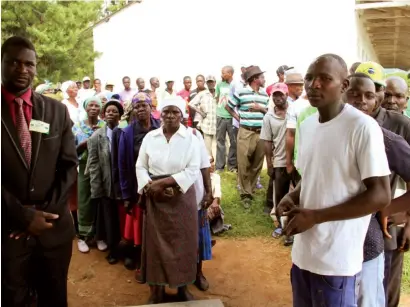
(242,99)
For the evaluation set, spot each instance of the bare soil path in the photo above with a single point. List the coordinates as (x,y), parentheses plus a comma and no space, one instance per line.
(244,273)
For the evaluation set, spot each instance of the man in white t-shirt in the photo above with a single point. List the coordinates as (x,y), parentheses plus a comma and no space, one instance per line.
(86,92)
(345,178)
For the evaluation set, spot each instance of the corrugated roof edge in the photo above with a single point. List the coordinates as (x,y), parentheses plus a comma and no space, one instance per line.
(107,18)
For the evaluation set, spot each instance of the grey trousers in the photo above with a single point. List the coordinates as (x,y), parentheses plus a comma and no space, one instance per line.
(224,126)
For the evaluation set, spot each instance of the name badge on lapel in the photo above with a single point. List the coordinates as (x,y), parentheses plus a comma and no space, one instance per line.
(39,126)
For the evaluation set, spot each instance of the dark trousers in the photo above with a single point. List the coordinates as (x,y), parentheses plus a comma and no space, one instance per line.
(393,269)
(269,194)
(107,223)
(224,126)
(313,290)
(26,265)
(282,184)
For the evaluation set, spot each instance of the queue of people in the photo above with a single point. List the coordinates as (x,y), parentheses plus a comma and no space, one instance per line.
(137,172)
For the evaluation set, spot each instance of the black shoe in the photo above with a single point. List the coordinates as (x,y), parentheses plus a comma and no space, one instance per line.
(130,264)
(112,259)
(288,241)
(201,283)
(184,295)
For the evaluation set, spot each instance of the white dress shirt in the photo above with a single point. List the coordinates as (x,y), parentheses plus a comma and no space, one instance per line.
(180,157)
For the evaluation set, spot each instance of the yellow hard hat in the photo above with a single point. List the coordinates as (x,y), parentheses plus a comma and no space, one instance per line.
(374,70)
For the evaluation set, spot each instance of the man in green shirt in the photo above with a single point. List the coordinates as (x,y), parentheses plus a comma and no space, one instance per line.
(224,123)
(302,116)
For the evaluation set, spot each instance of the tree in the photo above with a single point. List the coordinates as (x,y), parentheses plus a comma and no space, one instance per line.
(60,31)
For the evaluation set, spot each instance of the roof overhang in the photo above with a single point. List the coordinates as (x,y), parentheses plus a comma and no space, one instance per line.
(388,26)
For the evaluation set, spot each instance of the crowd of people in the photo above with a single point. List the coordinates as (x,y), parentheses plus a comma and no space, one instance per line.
(136,173)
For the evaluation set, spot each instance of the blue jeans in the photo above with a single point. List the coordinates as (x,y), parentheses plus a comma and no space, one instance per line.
(371,291)
(313,290)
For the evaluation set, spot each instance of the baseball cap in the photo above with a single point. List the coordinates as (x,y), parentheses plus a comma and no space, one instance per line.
(86,79)
(110,83)
(210,78)
(374,70)
(281,69)
(279,87)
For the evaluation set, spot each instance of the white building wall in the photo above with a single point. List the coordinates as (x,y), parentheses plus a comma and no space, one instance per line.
(174,38)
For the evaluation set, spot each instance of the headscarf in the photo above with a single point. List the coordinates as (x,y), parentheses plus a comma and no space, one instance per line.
(65,86)
(178,102)
(139,97)
(43,87)
(90,99)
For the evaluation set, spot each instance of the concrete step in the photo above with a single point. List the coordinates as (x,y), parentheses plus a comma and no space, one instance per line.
(202,303)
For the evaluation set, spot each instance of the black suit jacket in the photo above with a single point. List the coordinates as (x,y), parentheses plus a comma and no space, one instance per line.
(47,182)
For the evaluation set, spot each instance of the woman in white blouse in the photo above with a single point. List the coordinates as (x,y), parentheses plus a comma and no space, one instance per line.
(70,92)
(167,167)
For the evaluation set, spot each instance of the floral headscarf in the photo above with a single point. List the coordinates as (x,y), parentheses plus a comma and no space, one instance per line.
(129,107)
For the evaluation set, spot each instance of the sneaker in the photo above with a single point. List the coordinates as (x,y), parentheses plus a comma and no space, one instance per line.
(101,245)
(82,246)
(258,184)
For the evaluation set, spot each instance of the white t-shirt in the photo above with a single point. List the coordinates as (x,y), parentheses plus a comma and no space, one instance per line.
(294,110)
(84,94)
(199,183)
(335,157)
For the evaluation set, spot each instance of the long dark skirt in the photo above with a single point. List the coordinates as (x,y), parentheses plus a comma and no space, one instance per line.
(107,222)
(170,243)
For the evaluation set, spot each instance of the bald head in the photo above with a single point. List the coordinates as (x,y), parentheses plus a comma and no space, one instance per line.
(396,94)
(227,73)
(326,80)
(399,82)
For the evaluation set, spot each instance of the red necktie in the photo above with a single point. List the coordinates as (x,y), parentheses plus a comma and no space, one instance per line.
(23,132)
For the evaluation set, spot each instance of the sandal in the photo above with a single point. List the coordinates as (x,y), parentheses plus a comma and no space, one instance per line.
(277,233)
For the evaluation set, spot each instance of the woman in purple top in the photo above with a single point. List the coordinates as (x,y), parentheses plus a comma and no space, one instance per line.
(130,140)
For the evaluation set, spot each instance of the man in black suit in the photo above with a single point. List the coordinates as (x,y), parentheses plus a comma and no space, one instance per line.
(38,166)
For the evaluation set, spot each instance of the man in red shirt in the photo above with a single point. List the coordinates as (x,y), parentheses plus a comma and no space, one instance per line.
(185,95)
(280,72)
(39,166)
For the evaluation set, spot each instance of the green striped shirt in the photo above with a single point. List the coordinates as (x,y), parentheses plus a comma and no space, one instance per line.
(242,99)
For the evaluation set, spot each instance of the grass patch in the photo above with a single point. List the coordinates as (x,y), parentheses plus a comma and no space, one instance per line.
(405,281)
(254,223)
(245,223)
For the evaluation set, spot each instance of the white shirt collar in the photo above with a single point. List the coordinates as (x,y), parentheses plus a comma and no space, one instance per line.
(182,131)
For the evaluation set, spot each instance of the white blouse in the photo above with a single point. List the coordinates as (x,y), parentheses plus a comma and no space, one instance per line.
(76,114)
(180,158)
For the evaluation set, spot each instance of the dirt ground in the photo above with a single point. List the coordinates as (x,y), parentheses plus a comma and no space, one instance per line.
(243,273)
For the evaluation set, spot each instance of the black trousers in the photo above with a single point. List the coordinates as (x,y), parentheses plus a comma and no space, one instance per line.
(282,184)
(269,194)
(107,222)
(26,266)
